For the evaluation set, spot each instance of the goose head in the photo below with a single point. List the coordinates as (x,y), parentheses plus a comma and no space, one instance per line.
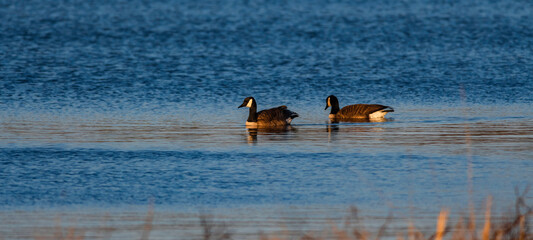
(331,101)
(248,102)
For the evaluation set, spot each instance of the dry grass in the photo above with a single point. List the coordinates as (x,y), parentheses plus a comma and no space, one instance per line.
(213,230)
(62,234)
(514,226)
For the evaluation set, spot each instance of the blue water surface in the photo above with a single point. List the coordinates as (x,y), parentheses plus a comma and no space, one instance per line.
(113,103)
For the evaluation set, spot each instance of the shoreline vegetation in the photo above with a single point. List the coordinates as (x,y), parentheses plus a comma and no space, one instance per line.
(515,225)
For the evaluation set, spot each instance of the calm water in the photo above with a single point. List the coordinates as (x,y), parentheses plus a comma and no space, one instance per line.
(122,103)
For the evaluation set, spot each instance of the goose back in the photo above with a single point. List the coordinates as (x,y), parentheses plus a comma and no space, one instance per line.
(278,116)
(362,110)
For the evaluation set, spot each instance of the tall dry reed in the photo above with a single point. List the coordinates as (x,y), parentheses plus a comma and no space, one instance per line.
(515,226)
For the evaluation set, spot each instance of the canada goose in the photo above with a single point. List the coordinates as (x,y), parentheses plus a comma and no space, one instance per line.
(279,116)
(356,110)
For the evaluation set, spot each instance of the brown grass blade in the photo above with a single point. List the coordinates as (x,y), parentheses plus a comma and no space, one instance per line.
(486,229)
(522,235)
(472,224)
(147,227)
(441,224)
(399,236)
(339,234)
(413,233)
(459,231)
(383,227)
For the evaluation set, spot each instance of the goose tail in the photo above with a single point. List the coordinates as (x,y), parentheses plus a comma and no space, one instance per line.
(388,109)
(294,115)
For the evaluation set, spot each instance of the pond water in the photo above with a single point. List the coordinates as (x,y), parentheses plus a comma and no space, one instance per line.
(115,104)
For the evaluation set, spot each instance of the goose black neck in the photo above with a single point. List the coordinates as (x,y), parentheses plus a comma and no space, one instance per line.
(334,102)
(335,109)
(252,117)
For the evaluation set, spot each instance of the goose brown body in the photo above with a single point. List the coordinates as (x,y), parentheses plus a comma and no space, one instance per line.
(273,117)
(356,110)
(359,110)
(279,116)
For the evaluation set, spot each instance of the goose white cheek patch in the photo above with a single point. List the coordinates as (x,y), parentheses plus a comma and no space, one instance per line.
(329,103)
(249,103)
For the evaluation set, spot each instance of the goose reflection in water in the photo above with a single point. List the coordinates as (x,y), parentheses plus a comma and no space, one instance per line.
(270,133)
(359,120)
(334,126)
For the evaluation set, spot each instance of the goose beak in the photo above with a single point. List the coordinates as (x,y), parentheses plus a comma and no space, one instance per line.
(242,105)
(326,107)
